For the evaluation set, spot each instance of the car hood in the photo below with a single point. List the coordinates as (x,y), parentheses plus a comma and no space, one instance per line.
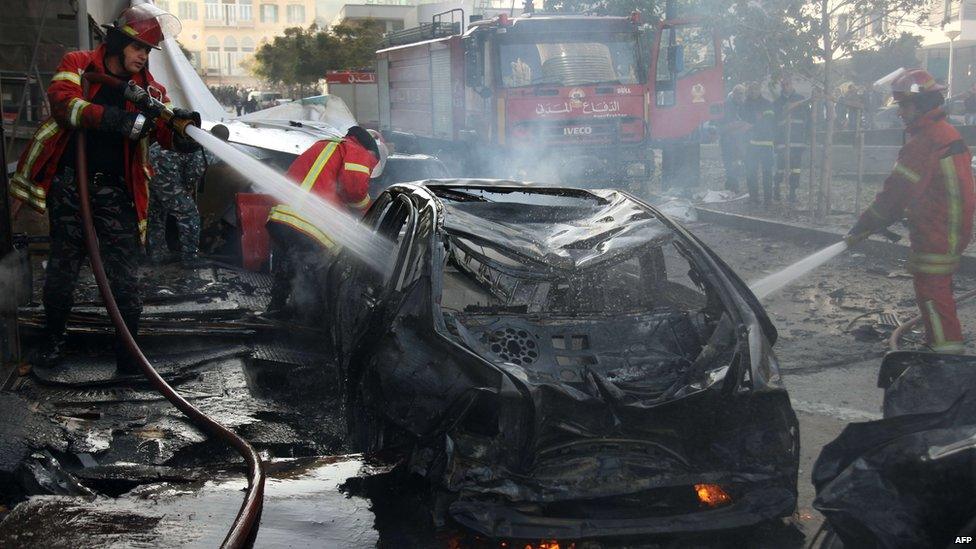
(564,229)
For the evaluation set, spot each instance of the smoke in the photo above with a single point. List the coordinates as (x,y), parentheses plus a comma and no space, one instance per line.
(551,166)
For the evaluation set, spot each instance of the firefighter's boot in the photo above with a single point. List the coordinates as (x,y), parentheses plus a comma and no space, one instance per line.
(55,328)
(125,363)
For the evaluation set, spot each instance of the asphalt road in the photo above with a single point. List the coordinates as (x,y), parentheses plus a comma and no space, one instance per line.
(829,365)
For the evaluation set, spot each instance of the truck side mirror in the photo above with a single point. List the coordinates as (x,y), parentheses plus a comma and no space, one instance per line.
(474,63)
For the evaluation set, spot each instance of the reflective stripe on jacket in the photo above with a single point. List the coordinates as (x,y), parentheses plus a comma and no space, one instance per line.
(70,109)
(932,186)
(337,172)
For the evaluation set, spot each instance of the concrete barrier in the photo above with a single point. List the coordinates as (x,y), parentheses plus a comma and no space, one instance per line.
(878,160)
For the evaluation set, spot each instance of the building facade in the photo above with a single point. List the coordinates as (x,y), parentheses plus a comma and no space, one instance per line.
(222,35)
(405,14)
(957,19)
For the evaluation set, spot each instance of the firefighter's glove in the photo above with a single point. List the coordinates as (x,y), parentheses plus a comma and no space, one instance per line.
(133,125)
(184,114)
(178,122)
(857,233)
(853,238)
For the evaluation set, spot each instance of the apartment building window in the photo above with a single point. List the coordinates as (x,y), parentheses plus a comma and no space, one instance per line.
(213,55)
(195,59)
(269,13)
(247,46)
(213,11)
(952,10)
(188,10)
(162,4)
(230,55)
(296,13)
(244,8)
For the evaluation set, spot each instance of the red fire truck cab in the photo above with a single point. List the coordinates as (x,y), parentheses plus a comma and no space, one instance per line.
(548,97)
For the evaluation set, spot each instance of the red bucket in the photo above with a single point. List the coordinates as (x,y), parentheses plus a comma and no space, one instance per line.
(252,214)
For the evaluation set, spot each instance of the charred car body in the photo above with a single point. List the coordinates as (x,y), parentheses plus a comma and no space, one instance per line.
(562,362)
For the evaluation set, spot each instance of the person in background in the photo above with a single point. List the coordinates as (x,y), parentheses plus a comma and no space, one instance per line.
(174,194)
(238,102)
(969,102)
(758,113)
(791,109)
(732,137)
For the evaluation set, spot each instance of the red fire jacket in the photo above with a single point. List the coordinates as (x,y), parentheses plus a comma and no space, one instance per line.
(70,109)
(932,186)
(338,172)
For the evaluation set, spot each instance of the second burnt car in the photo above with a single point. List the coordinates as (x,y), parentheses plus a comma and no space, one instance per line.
(562,362)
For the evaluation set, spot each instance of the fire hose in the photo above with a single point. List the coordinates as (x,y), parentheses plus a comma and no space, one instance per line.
(244,529)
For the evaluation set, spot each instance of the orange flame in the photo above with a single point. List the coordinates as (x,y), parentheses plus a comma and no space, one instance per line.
(549,544)
(712,495)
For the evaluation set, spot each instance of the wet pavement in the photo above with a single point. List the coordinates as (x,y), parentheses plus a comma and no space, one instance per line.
(158,482)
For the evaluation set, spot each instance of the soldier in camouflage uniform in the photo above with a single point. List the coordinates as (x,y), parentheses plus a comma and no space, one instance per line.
(114,216)
(172,194)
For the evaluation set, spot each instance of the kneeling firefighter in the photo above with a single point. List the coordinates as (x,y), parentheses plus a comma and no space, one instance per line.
(117,141)
(337,171)
(931,186)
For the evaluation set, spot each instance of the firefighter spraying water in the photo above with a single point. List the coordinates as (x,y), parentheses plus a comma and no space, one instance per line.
(931,186)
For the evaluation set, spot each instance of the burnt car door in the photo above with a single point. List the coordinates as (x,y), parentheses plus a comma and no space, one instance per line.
(362,298)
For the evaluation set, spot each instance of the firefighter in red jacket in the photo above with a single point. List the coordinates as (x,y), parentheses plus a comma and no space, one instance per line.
(117,141)
(931,186)
(337,171)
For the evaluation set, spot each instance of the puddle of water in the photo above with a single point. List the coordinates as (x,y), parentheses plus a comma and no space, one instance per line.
(324,502)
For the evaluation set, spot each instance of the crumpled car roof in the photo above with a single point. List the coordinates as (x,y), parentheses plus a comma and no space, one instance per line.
(566,229)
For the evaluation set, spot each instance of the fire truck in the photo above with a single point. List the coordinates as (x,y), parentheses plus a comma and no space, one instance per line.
(551,97)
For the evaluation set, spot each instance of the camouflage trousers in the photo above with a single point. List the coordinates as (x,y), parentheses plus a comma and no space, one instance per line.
(184,211)
(114,216)
(171,195)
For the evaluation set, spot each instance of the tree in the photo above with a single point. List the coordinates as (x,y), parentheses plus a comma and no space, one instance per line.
(807,37)
(303,55)
(358,44)
(840,26)
(650,9)
(763,40)
(890,54)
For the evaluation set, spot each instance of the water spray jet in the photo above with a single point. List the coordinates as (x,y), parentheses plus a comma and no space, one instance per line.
(776,281)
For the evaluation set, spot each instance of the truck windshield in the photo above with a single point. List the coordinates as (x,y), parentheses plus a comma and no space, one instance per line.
(568,60)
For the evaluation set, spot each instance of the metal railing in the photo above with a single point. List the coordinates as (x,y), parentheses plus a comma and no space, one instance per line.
(437,28)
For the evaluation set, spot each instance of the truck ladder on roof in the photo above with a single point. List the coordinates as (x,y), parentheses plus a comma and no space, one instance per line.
(437,28)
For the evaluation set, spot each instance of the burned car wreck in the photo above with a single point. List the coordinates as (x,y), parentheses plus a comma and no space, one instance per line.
(561,362)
